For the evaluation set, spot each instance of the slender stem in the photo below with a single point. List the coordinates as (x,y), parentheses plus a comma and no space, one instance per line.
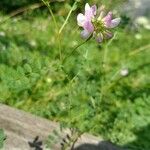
(114,76)
(76,139)
(22,10)
(68,16)
(59,46)
(106,51)
(56,26)
(73,51)
(51,12)
(139,50)
(105,56)
(62,27)
(104,64)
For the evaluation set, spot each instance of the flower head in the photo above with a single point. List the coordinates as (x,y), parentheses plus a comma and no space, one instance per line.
(97,24)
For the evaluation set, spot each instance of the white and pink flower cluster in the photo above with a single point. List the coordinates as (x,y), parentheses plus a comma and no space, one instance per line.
(96,23)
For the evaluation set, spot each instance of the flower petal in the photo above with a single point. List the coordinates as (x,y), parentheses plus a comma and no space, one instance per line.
(87,7)
(107,19)
(88,26)
(115,22)
(85,34)
(101,15)
(80,19)
(94,9)
(108,35)
(89,12)
(99,38)
(101,12)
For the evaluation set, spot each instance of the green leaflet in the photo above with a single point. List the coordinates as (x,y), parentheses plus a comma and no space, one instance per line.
(2,138)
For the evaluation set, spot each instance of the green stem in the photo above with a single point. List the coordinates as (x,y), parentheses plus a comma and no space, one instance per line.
(104,65)
(68,16)
(56,26)
(59,47)
(74,50)
(51,12)
(106,51)
(133,53)
(62,27)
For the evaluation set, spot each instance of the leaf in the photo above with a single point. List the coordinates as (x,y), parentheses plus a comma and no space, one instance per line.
(74,7)
(27,68)
(2,138)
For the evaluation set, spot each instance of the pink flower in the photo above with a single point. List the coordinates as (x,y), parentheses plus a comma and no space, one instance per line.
(103,26)
(85,20)
(98,25)
(109,22)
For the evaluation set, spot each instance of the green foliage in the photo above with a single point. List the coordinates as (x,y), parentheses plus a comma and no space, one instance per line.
(66,142)
(53,138)
(2,138)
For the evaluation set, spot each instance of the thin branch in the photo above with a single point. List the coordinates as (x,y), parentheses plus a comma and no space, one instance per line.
(139,50)
(69,14)
(27,8)
(74,50)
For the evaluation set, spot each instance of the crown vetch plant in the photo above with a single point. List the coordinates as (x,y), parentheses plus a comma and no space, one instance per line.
(96,23)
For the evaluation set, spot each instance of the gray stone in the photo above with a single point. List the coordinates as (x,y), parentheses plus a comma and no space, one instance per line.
(21,128)
(136,8)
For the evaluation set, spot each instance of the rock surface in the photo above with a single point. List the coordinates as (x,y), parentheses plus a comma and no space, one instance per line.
(136,8)
(21,128)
